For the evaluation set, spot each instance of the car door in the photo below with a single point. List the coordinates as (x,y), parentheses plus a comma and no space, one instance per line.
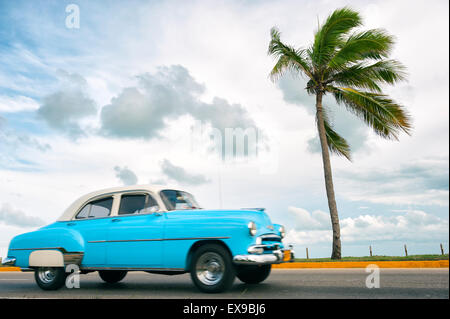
(135,235)
(92,223)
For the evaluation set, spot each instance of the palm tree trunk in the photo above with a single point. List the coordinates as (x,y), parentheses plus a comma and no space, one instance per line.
(336,252)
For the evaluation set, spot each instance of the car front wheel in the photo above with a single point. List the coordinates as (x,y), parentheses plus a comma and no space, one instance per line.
(212,270)
(50,278)
(112,276)
(253,274)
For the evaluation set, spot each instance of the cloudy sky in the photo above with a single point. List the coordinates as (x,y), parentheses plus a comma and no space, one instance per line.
(130,95)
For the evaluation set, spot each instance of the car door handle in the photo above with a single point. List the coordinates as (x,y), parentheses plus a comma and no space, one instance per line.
(71,224)
(115,220)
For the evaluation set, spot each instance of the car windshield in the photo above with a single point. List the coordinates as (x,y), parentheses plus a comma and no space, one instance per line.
(177,200)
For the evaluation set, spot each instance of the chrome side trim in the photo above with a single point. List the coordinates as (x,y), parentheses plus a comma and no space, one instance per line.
(133,269)
(154,239)
(9,261)
(274,258)
(63,250)
(26,269)
(73,258)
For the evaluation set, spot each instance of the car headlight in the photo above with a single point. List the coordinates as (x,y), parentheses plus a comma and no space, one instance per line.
(252,228)
(282,231)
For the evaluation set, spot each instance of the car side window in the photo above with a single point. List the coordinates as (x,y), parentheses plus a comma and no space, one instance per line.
(137,204)
(95,209)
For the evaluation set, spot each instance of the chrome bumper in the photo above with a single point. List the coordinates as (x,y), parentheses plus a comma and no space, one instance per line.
(263,259)
(9,261)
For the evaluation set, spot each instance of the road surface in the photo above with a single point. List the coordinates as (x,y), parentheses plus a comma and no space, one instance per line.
(282,283)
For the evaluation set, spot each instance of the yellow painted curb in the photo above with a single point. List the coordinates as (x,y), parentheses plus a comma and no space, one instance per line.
(364,264)
(9,269)
(343,264)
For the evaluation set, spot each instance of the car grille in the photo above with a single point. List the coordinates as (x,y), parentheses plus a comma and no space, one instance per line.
(270,242)
(268,239)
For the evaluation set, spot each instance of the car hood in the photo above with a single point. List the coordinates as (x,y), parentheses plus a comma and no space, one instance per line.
(259,217)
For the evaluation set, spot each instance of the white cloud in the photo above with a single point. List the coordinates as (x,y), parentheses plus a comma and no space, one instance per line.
(126,176)
(424,197)
(304,220)
(417,182)
(14,217)
(18,149)
(180,175)
(17,103)
(409,226)
(308,238)
(62,110)
(414,225)
(169,93)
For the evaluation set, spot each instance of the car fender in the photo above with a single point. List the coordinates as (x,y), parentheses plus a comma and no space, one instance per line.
(33,248)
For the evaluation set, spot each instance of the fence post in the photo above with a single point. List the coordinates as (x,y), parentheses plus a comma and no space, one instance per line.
(406,251)
(307,253)
(442,250)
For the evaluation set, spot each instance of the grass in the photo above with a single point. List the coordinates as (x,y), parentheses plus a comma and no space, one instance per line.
(378,258)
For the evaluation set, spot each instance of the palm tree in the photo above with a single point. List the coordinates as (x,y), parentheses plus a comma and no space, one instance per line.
(352,66)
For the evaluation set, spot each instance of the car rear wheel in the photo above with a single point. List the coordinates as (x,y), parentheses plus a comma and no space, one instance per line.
(50,278)
(112,276)
(253,274)
(212,270)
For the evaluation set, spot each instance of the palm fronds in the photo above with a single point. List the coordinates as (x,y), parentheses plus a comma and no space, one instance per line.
(288,57)
(336,143)
(351,65)
(371,44)
(370,76)
(378,111)
(331,35)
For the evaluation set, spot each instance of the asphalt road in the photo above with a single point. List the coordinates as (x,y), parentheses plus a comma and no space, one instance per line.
(282,283)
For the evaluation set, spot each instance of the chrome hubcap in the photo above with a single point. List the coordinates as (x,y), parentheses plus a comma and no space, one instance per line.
(46,275)
(210,268)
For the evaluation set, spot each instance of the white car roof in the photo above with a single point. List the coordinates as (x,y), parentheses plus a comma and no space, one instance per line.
(71,210)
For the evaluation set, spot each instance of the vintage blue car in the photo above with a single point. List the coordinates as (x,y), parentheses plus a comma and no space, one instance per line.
(153,229)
